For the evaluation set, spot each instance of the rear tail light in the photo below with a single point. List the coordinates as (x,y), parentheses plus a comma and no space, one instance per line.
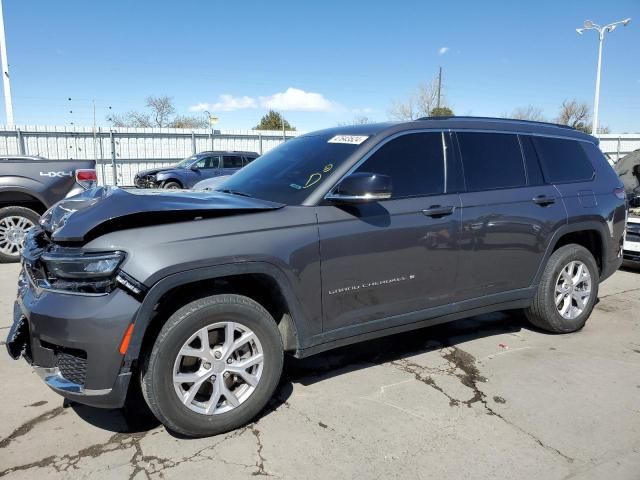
(619,192)
(86,177)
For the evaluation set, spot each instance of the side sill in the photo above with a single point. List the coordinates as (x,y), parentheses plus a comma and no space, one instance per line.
(427,321)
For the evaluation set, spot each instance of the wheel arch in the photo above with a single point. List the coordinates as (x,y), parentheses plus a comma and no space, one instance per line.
(174,180)
(177,289)
(590,234)
(22,197)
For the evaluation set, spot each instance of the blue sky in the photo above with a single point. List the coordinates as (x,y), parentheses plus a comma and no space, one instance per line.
(321,63)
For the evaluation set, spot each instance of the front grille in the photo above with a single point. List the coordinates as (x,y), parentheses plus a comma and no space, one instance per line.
(72,364)
(145,181)
(632,237)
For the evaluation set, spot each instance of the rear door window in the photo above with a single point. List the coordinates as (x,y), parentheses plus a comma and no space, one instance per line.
(491,160)
(232,161)
(563,160)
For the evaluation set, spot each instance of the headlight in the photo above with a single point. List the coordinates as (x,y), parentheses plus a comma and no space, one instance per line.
(88,266)
(90,273)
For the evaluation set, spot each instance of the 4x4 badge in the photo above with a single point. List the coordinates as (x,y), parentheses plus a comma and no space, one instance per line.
(56,174)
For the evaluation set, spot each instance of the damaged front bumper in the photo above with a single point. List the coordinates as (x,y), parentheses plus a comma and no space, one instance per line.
(146,181)
(72,342)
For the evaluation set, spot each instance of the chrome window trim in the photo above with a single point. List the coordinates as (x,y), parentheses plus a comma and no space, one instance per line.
(386,140)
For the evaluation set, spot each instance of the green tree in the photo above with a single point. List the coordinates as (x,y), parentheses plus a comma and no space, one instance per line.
(441,112)
(273,121)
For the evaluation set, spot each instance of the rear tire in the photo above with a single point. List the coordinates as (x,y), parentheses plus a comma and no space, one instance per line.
(14,223)
(561,304)
(179,352)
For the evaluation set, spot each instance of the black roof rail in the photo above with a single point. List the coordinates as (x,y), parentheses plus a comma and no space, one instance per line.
(495,119)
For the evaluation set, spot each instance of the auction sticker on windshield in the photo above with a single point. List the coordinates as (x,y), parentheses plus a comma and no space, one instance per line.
(350,139)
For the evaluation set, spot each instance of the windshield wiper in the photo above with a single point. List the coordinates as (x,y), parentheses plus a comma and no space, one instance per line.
(235,192)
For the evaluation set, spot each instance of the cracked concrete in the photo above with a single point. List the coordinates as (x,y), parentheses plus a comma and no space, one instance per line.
(478,398)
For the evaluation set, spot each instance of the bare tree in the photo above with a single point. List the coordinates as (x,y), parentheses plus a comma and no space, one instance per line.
(181,121)
(419,104)
(527,113)
(403,110)
(131,119)
(161,109)
(361,120)
(575,114)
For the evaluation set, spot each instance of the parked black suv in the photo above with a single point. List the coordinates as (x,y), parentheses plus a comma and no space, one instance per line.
(28,186)
(201,166)
(334,237)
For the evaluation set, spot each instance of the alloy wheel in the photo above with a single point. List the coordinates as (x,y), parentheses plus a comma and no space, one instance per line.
(218,368)
(13,231)
(573,289)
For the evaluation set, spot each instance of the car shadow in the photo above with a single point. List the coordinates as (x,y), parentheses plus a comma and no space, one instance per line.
(350,358)
(333,363)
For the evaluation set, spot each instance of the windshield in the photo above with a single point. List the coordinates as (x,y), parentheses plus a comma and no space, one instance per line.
(186,163)
(290,172)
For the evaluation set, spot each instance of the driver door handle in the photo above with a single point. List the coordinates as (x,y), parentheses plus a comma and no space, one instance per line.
(438,211)
(543,200)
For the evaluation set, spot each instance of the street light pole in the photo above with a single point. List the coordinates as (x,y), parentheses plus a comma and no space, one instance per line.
(210,127)
(5,71)
(589,25)
(596,100)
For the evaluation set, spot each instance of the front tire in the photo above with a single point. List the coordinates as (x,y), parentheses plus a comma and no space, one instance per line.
(172,186)
(214,366)
(567,292)
(14,223)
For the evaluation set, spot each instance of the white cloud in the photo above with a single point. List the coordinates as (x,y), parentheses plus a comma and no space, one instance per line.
(297,99)
(199,107)
(226,103)
(443,50)
(291,99)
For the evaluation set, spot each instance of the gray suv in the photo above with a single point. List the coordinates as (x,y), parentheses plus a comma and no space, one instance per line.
(333,237)
(201,166)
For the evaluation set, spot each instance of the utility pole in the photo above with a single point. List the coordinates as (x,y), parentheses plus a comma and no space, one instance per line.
(5,72)
(439,87)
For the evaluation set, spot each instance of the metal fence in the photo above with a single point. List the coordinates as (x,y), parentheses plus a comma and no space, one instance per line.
(617,146)
(120,153)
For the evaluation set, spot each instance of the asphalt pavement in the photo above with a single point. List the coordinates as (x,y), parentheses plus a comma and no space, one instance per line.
(481,398)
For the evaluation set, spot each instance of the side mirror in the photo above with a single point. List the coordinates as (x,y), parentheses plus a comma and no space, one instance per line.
(195,168)
(361,187)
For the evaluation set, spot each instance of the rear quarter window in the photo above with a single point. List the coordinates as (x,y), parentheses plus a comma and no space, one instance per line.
(563,160)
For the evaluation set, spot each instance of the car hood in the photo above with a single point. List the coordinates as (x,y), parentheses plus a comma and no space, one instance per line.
(106,209)
(155,171)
